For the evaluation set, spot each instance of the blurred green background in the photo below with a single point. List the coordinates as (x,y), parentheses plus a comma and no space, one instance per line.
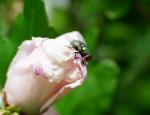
(116,31)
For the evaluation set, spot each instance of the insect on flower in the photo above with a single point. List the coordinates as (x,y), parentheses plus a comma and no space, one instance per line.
(50,67)
(82,49)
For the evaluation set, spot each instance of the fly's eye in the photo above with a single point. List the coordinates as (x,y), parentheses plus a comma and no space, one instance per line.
(84,48)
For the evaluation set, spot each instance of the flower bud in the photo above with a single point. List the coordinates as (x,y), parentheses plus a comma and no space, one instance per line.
(43,70)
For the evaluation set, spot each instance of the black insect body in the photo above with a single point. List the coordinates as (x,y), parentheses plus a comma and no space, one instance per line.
(82,49)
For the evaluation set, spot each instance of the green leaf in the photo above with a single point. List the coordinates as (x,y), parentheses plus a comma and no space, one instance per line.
(36,19)
(32,22)
(120,32)
(115,9)
(92,36)
(7,51)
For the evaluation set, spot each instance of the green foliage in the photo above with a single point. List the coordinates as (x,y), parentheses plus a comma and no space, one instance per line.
(117,30)
(115,9)
(31,22)
(118,34)
(7,51)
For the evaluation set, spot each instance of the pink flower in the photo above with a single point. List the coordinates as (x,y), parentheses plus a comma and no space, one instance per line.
(43,70)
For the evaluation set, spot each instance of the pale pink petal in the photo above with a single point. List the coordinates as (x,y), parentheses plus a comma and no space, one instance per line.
(43,70)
